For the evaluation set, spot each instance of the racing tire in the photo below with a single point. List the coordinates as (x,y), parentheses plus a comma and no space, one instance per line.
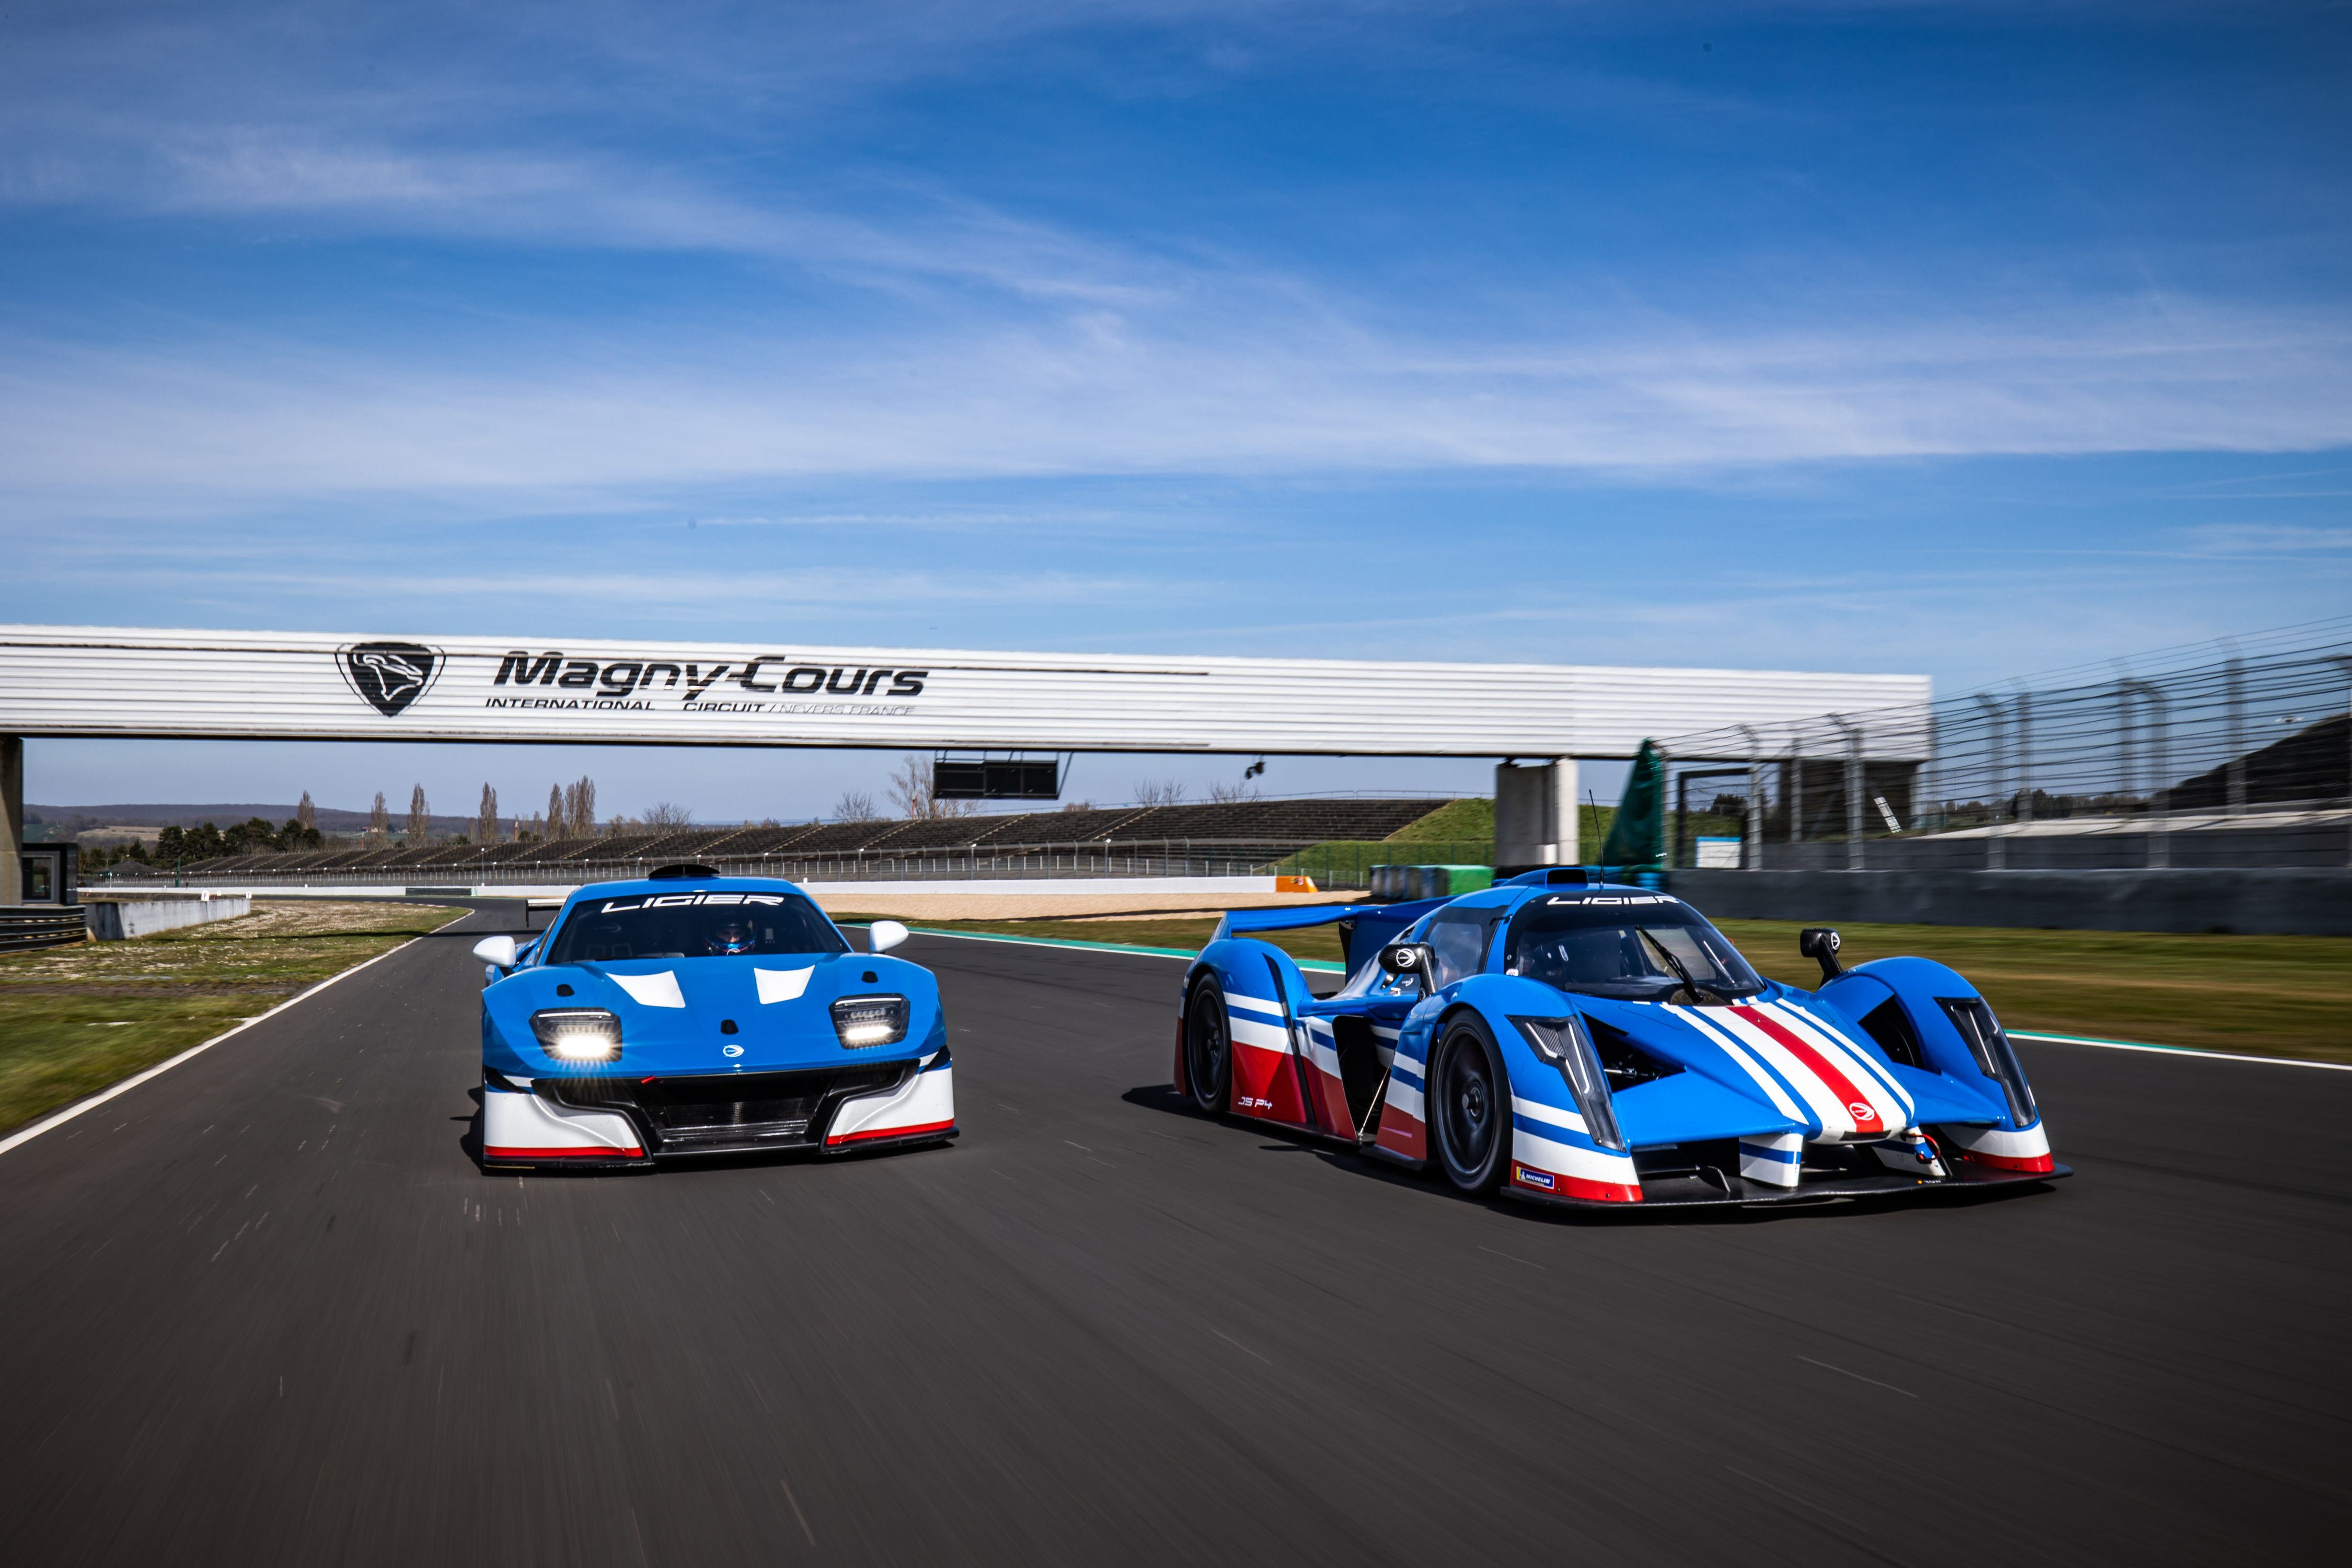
(1470,1106)
(1208,1046)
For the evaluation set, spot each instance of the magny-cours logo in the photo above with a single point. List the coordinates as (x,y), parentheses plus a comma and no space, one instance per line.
(389,675)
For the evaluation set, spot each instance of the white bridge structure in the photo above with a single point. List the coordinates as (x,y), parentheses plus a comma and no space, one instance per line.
(146,683)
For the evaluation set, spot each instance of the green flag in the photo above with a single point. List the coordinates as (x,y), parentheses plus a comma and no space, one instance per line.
(1638,837)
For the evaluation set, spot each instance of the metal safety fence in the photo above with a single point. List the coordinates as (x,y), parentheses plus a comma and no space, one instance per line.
(2229,754)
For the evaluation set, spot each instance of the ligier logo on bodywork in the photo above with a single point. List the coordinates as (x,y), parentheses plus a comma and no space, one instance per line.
(389,675)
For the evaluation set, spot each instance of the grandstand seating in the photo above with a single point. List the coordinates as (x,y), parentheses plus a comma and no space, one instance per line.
(1245,829)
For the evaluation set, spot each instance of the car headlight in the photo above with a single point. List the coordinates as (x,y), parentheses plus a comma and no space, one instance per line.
(578,1033)
(863,1021)
(1564,1044)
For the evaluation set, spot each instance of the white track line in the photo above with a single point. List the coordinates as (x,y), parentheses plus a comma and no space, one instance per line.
(2019,1034)
(58,1118)
(1314,965)
(2182,1051)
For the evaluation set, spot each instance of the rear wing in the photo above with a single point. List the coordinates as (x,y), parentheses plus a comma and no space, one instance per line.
(1364,929)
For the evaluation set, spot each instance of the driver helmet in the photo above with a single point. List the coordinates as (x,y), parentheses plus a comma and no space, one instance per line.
(730,936)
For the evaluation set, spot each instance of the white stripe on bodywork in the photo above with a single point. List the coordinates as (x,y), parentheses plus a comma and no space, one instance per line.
(1572,1160)
(1748,1063)
(1322,1049)
(1254,1003)
(781,985)
(1536,1110)
(1828,1106)
(922,1099)
(1264,1036)
(650,990)
(2035,1140)
(1850,1058)
(1757,1164)
(527,1121)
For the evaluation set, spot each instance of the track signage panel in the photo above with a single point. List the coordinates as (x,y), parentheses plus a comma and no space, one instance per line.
(73,681)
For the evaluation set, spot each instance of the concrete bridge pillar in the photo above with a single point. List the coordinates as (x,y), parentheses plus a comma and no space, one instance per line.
(12,819)
(1535,816)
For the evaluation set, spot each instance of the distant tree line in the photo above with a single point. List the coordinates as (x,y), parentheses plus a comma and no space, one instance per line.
(251,836)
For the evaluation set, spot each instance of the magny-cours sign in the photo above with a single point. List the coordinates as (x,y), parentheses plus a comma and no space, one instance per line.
(109,681)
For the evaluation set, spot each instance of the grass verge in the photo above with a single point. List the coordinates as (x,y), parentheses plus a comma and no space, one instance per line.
(76,1019)
(2265,995)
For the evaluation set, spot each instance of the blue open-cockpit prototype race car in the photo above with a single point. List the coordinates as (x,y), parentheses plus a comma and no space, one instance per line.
(1577,1042)
(694,1014)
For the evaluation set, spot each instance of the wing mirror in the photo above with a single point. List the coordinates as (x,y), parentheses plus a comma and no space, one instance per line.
(498,951)
(1822,942)
(1411,958)
(884,935)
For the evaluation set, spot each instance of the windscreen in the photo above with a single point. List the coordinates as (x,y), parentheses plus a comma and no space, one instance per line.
(693,925)
(1637,948)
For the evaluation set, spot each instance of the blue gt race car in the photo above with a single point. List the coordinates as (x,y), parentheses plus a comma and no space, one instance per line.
(1584,1043)
(694,1014)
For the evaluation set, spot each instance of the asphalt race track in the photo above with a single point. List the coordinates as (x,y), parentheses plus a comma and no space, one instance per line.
(266,1309)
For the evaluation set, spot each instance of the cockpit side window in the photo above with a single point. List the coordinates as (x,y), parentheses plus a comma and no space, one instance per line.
(1459,939)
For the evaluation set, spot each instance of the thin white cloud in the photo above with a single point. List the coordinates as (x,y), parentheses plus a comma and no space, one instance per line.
(926,332)
(2265,539)
(1231,386)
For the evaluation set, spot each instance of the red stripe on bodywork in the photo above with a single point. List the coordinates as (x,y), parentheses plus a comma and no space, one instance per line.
(1264,1085)
(1400,1134)
(563,1153)
(2011,1162)
(1835,1081)
(1567,1186)
(891,1132)
(1333,1095)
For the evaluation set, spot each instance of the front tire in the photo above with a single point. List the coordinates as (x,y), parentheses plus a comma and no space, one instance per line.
(1470,1106)
(1208,1046)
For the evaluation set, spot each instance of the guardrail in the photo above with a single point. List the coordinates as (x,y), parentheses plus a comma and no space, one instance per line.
(32,926)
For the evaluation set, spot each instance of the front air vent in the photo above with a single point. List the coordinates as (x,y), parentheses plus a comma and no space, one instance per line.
(710,1112)
(1891,1026)
(1626,1063)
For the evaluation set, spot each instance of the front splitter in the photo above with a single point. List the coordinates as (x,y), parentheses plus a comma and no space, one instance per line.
(1696,1191)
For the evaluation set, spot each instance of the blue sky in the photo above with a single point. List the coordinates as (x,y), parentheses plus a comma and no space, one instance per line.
(1970,339)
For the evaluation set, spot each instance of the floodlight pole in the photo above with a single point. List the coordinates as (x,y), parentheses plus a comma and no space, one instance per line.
(1852,734)
(1995,857)
(2343,664)
(2023,707)
(2233,676)
(1755,800)
(2159,843)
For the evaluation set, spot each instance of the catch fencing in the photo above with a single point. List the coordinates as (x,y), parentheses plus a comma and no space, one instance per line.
(2231,755)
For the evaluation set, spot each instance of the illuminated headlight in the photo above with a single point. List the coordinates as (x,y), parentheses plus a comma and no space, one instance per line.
(578,1033)
(1564,1044)
(863,1021)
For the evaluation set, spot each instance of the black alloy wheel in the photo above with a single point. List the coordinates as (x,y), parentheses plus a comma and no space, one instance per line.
(1470,1106)
(1208,1046)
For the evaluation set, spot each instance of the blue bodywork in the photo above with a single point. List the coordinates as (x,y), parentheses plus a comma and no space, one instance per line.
(697,1041)
(1865,1085)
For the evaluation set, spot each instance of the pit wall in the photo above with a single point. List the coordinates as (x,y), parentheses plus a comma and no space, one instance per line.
(2272,901)
(130,918)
